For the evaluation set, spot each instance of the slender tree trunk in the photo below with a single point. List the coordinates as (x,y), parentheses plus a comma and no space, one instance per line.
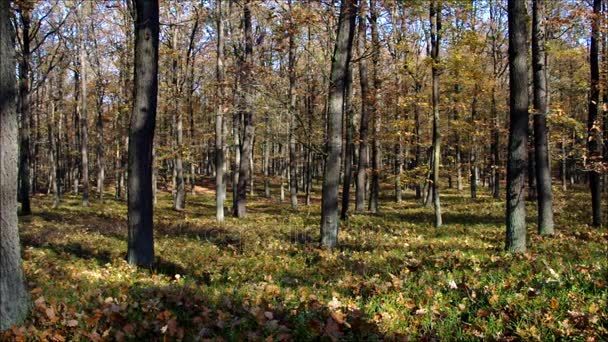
(293,180)
(473,158)
(53,153)
(179,203)
(248,115)
(220,164)
(541,150)
(101,169)
(518,128)
(435,17)
(593,147)
(14,298)
(25,113)
(376,157)
(339,69)
(141,135)
(84,129)
(364,126)
(350,144)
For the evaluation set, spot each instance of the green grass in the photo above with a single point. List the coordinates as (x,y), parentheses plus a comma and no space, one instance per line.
(393,275)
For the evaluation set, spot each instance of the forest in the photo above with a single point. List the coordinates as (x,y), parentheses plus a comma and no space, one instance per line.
(303,170)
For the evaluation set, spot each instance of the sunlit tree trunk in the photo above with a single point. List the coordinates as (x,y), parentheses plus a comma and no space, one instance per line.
(331,176)
(220,164)
(14,299)
(541,149)
(435,17)
(518,128)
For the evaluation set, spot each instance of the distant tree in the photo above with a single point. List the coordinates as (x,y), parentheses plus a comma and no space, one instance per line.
(541,145)
(25,16)
(518,128)
(593,125)
(14,300)
(331,175)
(363,161)
(141,134)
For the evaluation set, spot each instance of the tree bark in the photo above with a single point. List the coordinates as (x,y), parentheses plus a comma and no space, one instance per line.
(518,128)
(593,126)
(14,299)
(248,115)
(350,144)
(435,18)
(141,135)
(179,203)
(363,161)
(293,180)
(84,128)
(541,149)
(220,165)
(376,118)
(331,176)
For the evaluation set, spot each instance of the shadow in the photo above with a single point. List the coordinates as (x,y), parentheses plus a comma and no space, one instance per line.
(76,249)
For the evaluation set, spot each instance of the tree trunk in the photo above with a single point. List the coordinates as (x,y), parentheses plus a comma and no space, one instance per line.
(364,126)
(248,115)
(541,149)
(14,299)
(53,153)
(293,180)
(473,158)
(179,203)
(25,113)
(376,157)
(350,144)
(84,128)
(331,176)
(518,128)
(220,165)
(593,126)
(435,17)
(141,135)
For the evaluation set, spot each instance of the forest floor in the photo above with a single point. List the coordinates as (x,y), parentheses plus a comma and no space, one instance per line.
(394,276)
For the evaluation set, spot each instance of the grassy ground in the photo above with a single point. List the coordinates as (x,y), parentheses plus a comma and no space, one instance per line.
(394,276)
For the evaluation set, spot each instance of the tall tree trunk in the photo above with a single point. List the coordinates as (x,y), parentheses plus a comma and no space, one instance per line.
(518,128)
(593,126)
(350,144)
(24,112)
(331,176)
(84,128)
(14,299)
(101,168)
(376,158)
(179,203)
(53,152)
(141,135)
(365,98)
(541,149)
(435,17)
(248,115)
(220,165)
(293,180)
